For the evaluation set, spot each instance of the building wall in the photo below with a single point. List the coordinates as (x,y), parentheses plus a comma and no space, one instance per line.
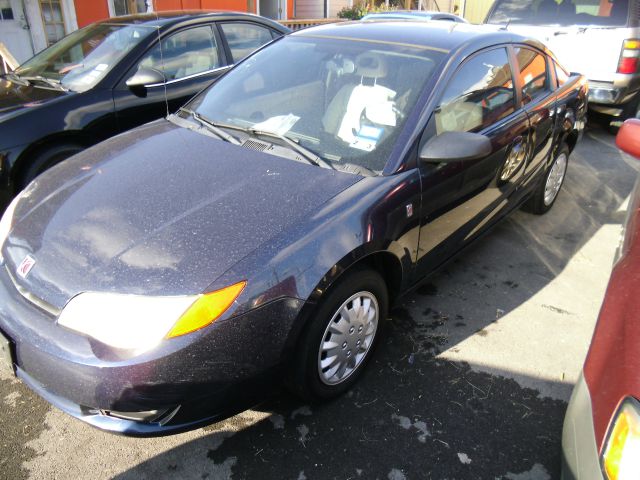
(336,5)
(89,12)
(476,10)
(309,9)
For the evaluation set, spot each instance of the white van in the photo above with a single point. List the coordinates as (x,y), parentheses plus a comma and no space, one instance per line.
(598,38)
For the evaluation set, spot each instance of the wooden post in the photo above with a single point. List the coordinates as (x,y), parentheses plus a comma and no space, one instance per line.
(8,60)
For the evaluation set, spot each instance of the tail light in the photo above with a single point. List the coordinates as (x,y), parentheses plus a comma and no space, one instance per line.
(629,57)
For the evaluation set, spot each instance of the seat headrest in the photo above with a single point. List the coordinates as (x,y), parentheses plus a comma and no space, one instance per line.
(371,65)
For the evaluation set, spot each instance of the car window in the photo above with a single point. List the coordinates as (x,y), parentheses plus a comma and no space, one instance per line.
(244,38)
(533,73)
(345,100)
(480,93)
(561,74)
(561,12)
(185,53)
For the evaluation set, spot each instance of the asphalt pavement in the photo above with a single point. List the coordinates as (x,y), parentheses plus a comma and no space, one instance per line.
(470,381)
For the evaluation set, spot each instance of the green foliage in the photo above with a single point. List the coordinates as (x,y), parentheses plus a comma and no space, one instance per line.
(359,10)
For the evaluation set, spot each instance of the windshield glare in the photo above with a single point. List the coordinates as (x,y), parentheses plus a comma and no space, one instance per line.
(82,58)
(612,13)
(345,100)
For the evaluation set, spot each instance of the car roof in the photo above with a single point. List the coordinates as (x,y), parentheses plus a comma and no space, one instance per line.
(445,36)
(166,19)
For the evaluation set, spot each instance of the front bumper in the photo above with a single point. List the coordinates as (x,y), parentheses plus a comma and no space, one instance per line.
(198,378)
(580,460)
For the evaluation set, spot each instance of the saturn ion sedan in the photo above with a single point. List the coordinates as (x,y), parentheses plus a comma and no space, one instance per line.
(149,283)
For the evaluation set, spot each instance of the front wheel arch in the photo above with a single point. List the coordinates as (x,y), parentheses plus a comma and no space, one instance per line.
(383,262)
(21,169)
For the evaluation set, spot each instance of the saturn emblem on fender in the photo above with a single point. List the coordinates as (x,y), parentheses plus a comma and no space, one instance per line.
(25,266)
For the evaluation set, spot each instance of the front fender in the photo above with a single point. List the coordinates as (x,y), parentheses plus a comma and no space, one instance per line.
(371,216)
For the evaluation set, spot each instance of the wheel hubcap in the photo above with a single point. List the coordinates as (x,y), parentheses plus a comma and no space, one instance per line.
(348,338)
(555,178)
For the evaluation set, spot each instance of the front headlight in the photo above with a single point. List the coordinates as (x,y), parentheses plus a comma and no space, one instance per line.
(621,457)
(6,224)
(138,322)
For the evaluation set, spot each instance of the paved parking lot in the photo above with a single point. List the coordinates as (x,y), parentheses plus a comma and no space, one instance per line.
(471,379)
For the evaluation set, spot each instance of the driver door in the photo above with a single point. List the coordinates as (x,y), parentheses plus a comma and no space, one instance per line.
(189,59)
(462,198)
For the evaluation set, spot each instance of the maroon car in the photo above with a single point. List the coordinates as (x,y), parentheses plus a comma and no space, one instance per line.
(601,435)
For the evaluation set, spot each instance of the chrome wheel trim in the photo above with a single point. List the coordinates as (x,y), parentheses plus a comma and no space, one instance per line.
(348,338)
(555,178)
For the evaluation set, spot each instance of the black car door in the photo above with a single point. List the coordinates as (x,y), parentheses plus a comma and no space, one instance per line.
(190,59)
(539,100)
(460,199)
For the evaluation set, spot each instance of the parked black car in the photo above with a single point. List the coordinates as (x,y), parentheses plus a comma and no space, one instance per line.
(149,282)
(112,76)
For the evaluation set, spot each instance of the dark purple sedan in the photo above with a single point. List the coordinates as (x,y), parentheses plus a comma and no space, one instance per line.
(150,283)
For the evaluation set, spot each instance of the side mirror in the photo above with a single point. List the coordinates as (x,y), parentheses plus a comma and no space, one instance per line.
(144,77)
(455,146)
(628,138)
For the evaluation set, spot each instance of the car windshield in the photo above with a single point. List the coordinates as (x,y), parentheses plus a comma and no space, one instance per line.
(345,100)
(81,59)
(611,13)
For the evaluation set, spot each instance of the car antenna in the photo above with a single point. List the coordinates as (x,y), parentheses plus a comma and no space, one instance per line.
(166,100)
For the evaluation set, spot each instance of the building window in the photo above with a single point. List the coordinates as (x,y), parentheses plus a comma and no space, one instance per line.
(53,20)
(129,7)
(6,13)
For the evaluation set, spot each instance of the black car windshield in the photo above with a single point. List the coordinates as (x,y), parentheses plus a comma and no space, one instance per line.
(346,100)
(610,13)
(81,59)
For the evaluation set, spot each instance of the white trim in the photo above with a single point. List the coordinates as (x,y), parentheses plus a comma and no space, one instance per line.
(112,8)
(69,15)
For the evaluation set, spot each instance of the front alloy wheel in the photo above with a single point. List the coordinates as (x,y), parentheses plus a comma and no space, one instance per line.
(348,338)
(340,335)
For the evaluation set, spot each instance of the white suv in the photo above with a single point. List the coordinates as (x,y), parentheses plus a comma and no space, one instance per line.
(598,38)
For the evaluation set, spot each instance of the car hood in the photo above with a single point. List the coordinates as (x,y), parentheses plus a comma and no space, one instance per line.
(160,210)
(15,96)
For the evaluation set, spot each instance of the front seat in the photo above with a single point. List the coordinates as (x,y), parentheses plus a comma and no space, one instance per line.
(343,114)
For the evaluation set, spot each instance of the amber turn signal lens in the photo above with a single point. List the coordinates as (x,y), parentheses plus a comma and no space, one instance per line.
(206,309)
(621,459)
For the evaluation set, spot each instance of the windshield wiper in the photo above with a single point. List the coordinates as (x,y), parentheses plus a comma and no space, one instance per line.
(213,127)
(305,152)
(49,81)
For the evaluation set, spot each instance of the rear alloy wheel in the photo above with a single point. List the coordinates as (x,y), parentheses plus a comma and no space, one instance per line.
(339,339)
(546,193)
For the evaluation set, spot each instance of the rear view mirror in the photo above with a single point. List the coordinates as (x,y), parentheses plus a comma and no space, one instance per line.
(628,138)
(143,78)
(455,146)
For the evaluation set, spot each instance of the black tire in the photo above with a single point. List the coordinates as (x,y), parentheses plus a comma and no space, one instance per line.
(304,376)
(536,204)
(46,159)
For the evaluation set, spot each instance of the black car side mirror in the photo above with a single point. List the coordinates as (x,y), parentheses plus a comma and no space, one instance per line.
(144,77)
(455,146)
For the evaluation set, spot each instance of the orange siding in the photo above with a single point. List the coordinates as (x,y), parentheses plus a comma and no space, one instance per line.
(89,12)
(236,5)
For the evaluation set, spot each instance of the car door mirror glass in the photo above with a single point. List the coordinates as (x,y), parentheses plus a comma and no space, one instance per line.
(145,77)
(455,146)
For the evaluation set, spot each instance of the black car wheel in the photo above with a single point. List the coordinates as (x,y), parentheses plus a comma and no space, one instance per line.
(46,159)
(546,193)
(339,340)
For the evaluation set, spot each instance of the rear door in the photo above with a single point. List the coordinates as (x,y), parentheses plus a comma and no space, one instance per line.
(460,199)
(534,81)
(190,59)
